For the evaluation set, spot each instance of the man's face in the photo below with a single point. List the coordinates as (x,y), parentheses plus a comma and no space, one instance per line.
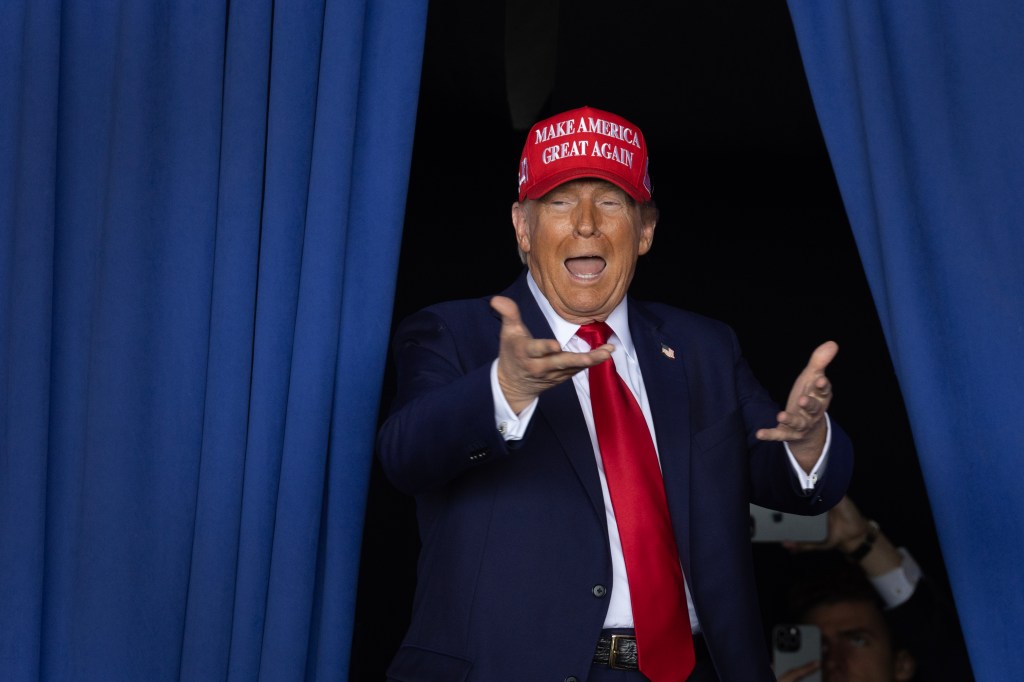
(856,645)
(581,242)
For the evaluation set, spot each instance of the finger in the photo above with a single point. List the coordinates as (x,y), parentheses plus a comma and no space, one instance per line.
(509,312)
(775,434)
(800,672)
(820,388)
(822,356)
(782,432)
(597,355)
(811,404)
(798,547)
(574,362)
(794,420)
(542,348)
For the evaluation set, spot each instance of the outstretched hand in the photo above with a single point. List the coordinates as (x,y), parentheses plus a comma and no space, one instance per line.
(801,424)
(527,366)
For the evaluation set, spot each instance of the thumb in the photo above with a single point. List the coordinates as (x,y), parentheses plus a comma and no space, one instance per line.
(509,311)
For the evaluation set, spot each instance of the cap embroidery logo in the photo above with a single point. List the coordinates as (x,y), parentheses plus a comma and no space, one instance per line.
(584,143)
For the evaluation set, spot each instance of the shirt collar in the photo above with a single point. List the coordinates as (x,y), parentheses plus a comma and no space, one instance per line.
(618,320)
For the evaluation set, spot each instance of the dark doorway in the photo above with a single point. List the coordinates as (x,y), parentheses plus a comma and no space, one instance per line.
(752,229)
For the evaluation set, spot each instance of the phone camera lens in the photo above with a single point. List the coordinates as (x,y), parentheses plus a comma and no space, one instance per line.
(787,638)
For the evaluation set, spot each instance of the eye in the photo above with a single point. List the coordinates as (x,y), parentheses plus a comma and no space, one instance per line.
(557,201)
(858,640)
(610,203)
(611,197)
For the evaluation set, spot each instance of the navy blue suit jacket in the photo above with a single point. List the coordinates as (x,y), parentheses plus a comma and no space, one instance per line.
(515,571)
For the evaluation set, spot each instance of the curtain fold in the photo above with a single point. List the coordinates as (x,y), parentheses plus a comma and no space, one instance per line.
(921,106)
(202,209)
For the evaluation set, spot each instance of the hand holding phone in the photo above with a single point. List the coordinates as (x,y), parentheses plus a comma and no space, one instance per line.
(796,652)
(768,525)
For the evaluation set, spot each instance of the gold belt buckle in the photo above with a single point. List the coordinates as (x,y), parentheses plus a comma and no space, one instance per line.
(613,652)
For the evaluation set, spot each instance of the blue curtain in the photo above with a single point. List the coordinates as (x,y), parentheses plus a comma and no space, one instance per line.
(922,109)
(200,212)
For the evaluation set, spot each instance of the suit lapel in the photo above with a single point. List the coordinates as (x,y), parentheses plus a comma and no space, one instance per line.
(560,406)
(666,384)
(664,373)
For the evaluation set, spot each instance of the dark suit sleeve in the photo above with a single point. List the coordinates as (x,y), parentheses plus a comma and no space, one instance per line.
(927,626)
(442,420)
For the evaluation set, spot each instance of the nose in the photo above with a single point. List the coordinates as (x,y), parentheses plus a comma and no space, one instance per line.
(832,660)
(585,219)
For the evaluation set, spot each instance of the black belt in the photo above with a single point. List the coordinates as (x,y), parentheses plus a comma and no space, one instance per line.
(618,652)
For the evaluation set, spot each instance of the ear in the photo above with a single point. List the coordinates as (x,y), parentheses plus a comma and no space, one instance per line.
(904,666)
(648,220)
(521,223)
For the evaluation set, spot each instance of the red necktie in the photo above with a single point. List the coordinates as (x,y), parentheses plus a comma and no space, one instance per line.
(660,617)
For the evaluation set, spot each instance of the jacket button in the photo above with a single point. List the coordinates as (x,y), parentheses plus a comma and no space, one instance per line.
(599,590)
(571,678)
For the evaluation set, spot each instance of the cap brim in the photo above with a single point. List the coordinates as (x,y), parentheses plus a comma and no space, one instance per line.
(560,178)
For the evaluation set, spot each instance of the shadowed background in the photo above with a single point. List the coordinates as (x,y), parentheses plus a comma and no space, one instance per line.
(752,228)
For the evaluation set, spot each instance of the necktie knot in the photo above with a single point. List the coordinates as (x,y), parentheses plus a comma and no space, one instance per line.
(595,333)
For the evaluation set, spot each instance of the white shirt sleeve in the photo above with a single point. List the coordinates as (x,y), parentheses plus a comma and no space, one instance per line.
(809,480)
(898,585)
(510,425)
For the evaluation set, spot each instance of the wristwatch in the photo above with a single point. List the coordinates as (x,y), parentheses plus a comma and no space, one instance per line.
(869,541)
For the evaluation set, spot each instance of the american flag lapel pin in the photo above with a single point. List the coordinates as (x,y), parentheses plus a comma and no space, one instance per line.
(668,352)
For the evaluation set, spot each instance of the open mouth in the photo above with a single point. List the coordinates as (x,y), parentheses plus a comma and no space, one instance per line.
(585,267)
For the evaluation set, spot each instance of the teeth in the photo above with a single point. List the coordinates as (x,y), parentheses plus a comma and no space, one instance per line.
(585,268)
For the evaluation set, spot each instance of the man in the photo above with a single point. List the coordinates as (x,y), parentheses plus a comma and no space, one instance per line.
(881,618)
(528,427)
(857,643)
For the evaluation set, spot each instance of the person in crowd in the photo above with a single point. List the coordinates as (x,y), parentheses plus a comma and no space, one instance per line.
(881,618)
(583,462)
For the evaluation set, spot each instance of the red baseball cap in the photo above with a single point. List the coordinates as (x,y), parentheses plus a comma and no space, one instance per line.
(584,143)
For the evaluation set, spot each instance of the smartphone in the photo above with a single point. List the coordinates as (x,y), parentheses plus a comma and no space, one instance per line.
(768,525)
(794,645)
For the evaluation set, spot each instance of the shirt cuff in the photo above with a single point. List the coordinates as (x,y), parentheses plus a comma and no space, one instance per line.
(510,425)
(809,480)
(898,585)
